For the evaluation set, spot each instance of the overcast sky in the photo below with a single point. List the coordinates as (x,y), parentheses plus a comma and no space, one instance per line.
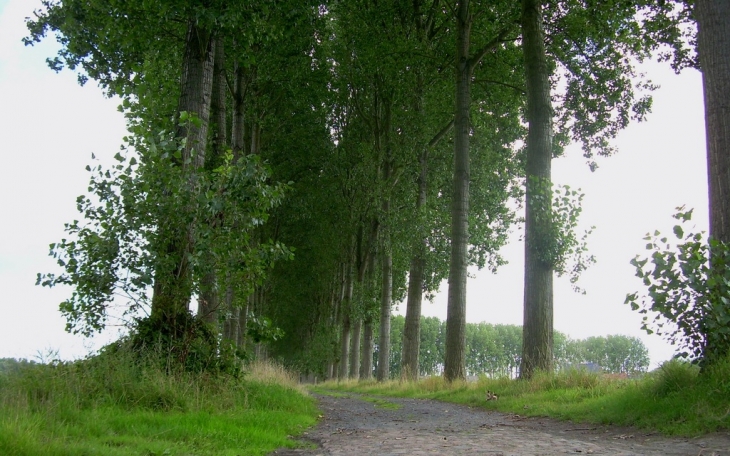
(49,127)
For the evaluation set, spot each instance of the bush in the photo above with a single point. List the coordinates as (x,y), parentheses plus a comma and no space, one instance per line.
(688,291)
(674,376)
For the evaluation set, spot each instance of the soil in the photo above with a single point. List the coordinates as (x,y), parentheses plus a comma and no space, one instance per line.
(353,426)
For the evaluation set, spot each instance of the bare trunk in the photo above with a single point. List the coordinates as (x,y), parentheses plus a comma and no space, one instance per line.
(346,324)
(368,340)
(242,323)
(537,345)
(208,301)
(355,348)
(366,368)
(230,325)
(455,358)
(386,299)
(238,127)
(172,289)
(412,329)
(713,18)
(713,22)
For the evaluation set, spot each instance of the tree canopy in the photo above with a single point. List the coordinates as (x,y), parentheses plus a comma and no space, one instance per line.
(298,167)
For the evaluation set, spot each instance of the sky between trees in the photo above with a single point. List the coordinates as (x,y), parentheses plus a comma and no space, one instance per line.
(51,126)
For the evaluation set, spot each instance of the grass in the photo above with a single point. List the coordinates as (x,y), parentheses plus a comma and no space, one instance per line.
(675,399)
(110,405)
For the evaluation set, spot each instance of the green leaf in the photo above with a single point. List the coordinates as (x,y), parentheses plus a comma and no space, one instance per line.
(678,231)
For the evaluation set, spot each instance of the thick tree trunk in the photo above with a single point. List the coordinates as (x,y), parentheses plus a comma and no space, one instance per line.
(208,301)
(713,21)
(454,363)
(412,329)
(172,289)
(537,345)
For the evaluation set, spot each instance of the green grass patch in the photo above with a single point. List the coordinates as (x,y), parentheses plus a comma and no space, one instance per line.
(114,406)
(675,399)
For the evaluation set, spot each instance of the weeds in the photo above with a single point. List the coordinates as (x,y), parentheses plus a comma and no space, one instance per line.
(119,404)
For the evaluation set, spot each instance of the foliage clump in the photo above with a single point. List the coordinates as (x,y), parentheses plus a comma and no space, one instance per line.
(688,292)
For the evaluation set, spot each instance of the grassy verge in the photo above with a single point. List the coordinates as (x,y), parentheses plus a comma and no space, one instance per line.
(114,406)
(674,399)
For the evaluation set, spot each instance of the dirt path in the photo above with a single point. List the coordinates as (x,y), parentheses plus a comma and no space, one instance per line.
(352,426)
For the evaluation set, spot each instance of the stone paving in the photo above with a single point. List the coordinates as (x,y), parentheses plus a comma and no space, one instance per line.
(352,426)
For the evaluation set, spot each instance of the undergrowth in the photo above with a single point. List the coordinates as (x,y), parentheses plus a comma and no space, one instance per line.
(675,399)
(120,404)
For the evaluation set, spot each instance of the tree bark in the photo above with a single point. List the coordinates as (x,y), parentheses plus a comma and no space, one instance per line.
(366,366)
(355,348)
(208,301)
(386,299)
(454,362)
(368,341)
(230,325)
(537,345)
(346,324)
(412,329)
(172,289)
(713,23)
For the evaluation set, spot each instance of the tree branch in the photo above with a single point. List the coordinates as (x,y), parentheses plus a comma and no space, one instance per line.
(490,81)
(491,45)
(438,136)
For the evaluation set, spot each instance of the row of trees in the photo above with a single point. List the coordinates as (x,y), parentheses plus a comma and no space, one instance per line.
(496,350)
(376,146)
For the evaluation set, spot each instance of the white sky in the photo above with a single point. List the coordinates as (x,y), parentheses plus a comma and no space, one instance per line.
(49,126)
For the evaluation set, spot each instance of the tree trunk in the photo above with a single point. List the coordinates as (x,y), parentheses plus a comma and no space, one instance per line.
(412,329)
(537,345)
(368,342)
(238,127)
(172,289)
(346,325)
(366,367)
(208,301)
(386,299)
(230,325)
(355,348)
(713,22)
(454,362)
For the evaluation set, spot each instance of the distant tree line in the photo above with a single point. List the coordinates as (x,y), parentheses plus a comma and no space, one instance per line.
(495,350)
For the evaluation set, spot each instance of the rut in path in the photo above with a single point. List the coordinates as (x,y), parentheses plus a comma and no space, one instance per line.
(352,426)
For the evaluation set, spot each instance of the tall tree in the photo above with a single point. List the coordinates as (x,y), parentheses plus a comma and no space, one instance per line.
(173,288)
(464,64)
(538,297)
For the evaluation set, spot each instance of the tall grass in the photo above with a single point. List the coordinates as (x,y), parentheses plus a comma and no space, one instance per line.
(675,399)
(119,404)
